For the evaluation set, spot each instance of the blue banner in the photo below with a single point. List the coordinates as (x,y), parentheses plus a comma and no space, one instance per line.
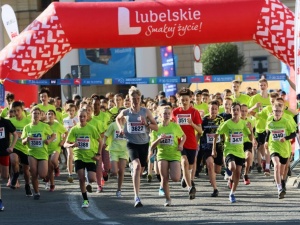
(2,95)
(284,84)
(168,68)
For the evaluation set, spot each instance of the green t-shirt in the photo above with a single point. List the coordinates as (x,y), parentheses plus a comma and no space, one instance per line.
(58,129)
(202,108)
(38,134)
(242,99)
(52,107)
(221,109)
(252,122)
(117,142)
(234,137)
(167,149)
(87,138)
(20,124)
(281,128)
(104,118)
(4,112)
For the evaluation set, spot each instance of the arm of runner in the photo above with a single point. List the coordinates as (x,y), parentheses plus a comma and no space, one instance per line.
(267,139)
(256,106)
(48,141)
(118,119)
(13,142)
(65,135)
(289,137)
(157,141)
(152,125)
(70,144)
(214,152)
(182,141)
(197,127)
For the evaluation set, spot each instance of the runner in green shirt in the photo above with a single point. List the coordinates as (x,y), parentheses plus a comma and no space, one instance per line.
(35,135)
(202,107)
(54,147)
(87,145)
(279,131)
(237,96)
(20,153)
(168,150)
(234,130)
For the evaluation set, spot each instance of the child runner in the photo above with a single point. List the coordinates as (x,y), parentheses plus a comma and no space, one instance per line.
(70,121)
(279,131)
(117,151)
(54,147)
(138,123)
(214,161)
(35,135)
(20,153)
(190,121)
(168,150)
(234,130)
(84,138)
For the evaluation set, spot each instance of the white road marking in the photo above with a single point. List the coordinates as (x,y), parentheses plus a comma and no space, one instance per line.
(75,207)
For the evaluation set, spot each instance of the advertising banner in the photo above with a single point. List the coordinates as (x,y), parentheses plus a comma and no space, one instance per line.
(10,21)
(168,69)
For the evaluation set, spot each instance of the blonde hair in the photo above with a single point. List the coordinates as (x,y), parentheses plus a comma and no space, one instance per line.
(134,90)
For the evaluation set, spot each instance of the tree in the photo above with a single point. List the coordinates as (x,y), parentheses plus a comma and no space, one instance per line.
(222,59)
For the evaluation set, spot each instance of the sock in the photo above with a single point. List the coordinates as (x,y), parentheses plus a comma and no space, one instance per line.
(279,187)
(267,166)
(16,175)
(263,158)
(231,192)
(84,195)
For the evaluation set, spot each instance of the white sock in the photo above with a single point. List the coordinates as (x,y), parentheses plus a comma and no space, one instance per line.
(267,166)
(231,192)
(279,187)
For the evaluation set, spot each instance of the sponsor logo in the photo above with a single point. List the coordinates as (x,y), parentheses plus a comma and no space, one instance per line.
(168,22)
(207,78)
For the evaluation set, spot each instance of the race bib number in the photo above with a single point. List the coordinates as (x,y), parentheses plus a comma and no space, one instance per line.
(210,138)
(2,132)
(168,140)
(136,128)
(277,134)
(236,139)
(182,119)
(36,142)
(19,133)
(119,136)
(84,143)
(68,124)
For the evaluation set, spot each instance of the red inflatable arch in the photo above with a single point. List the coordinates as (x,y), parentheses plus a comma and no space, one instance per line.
(64,26)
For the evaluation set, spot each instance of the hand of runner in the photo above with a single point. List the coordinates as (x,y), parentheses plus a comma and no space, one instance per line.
(180,148)
(9,150)
(266,145)
(96,157)
(282,139)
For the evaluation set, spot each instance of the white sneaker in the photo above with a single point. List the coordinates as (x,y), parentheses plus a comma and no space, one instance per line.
(119,194)
(47,186)
(85,204)
(167,203)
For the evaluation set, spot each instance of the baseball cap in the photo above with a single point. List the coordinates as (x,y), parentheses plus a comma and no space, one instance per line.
(283,92)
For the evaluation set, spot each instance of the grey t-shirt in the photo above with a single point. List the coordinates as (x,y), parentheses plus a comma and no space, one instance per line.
(135,131)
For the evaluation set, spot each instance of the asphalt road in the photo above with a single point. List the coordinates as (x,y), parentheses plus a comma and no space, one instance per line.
(256,204)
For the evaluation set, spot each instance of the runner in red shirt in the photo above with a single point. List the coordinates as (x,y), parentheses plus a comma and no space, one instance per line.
(190,121)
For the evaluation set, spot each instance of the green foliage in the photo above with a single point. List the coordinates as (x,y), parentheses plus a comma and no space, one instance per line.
(222,59)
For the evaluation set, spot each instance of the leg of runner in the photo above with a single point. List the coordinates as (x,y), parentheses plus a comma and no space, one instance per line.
(212,175)
(121,172)
(267,166)
(99,175)
(248,163)
(277,176)
(70,164)
(14,161)
(106,164)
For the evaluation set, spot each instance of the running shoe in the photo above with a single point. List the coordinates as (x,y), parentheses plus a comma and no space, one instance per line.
(47,186)
(89,188)
(99,189)
(267,172)
(36,196)
(161,192)
(167,203)
(229,183)
(246,180)
(192,193)
(138,202)
(119,194)
(28,190)
(105,175)
(70,179)
(149,178)
(1,206)
(259,169)
(52,188)
(57,172)
(183,183)
(85,204)
(232,198)
(215,193)
(281,194)
(144,174)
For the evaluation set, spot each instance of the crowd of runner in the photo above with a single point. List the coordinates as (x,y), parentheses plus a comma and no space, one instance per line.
(174,137)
